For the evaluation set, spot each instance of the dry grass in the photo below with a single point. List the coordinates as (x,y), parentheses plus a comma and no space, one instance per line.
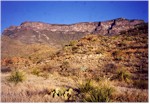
(131,95)
(37,89)
(92,57)
(34,89)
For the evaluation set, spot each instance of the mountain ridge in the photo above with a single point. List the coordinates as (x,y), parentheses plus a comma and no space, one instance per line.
(78,27)
(57,34)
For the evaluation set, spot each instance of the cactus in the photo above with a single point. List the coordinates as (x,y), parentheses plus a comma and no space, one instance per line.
(53,93)
(66,95)
(57,90)
(63,92)
(70,91)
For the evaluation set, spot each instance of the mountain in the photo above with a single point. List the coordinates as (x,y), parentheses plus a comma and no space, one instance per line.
(58,35)
(39,32)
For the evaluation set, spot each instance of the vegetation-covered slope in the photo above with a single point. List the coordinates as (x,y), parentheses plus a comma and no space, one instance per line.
(95,68)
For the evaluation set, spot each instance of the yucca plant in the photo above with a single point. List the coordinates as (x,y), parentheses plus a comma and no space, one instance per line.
(123,75)
(16,77)
(86,86)
(102,94)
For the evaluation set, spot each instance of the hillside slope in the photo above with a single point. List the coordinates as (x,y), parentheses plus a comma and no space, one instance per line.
(93,68)
(58,35)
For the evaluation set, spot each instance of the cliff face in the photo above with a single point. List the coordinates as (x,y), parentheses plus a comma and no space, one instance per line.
(33,32)
(106,27)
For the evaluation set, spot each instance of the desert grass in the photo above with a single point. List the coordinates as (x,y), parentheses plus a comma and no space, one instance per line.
(34,88)
(37,89)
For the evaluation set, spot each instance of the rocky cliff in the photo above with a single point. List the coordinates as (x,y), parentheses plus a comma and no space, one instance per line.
(38,30)
(105,28)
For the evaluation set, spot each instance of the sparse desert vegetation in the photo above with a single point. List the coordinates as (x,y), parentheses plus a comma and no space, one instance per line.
(95,68)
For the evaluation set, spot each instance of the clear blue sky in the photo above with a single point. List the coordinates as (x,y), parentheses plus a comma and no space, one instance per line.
(65,12)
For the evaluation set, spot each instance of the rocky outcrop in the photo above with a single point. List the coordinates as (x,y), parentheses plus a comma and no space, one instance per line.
(33,32)
(106,27)
(115,26)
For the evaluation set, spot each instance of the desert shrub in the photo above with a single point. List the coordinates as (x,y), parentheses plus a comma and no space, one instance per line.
(40,73)
(122,44)
(44,75)
(118,58)
(47,68)
(75,49)
(117,55)
(102,94)
(90,37)
(35,58)
(73,43)
(36,71)
(123,75)
(99,51)
(86,86)
(42,54)
(94,39)
(129,38)
(142,67)
(142,84)
(83,68)
(110,67)
(16,77)
(64,65)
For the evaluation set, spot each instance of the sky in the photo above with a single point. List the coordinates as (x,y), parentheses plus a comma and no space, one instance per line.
(13,13)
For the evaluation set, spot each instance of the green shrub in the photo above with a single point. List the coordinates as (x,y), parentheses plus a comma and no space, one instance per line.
(36,71)
(86,86)
(16,77)
(73,43)
(102,94)
(123,75)
(117,55)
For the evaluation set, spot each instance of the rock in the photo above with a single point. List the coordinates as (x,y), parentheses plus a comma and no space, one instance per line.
(32,32)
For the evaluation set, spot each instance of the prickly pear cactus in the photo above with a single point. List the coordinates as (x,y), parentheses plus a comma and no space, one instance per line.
(70,91)
(62,92)
(66,95)
(53,93)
